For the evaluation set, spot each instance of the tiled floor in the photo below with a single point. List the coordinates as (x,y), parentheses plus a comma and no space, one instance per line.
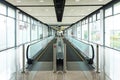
(49,75)
(75,71)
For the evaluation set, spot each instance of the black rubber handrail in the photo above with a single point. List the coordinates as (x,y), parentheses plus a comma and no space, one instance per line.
(29,60)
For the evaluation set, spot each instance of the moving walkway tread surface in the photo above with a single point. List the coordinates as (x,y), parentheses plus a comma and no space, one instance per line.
(48,54)
(70,53)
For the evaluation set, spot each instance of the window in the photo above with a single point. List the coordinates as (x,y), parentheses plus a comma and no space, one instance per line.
(34,31)
(2,9)
(78,31)
(117,8)
(11,12)
(10,32)
(85,31)
(108,12)
(2,32)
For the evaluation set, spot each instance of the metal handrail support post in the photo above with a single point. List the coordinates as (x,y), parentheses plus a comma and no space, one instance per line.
(64,59)
(97,58)
(23,53)
(54,58)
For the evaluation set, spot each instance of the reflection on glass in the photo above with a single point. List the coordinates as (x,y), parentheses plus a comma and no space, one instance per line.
(2,32)
(108,12)
(85,31)
(2,9)
(10,32)
(11,12)
(117,8)
(79,32)
(95,31)
(112,31)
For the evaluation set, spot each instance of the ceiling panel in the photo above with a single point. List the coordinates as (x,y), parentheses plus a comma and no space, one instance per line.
(39,11)
(79,11)
(48,20)
(86,2)
(31,2)
(73,11)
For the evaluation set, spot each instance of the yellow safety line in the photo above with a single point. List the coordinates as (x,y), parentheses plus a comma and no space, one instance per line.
(75,51)
(43,52)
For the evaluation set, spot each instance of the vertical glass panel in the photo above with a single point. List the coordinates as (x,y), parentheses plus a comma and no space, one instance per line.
(108,12)
(20,16)
(40,32)
(45,31)
(113,31)
(24,32)
(94,17)
(90,19)
(85,32)
(95,31)
(28,33)
(25,18)
(33,32)
(2,9)
(8,67)
(117,8)
(115,38)
(10,32)
(70,32)
(11,12)
(2,32)
(79,32)
(98,16)
(28,19)
(109,31)
(19,32)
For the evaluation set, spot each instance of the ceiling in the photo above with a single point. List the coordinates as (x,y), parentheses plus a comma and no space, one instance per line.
(44,10)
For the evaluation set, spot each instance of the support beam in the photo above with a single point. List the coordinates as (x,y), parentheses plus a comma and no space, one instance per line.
(59,9)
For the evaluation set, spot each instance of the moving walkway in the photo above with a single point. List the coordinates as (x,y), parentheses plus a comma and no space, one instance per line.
(74,59)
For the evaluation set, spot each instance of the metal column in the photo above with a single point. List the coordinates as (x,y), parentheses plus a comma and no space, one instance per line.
(97,58)
(64,67)
(23,68)
(54,57)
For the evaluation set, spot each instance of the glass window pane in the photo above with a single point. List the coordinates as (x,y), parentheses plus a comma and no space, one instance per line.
(94,17)
(10,32)
(108,31)
(108,12)
(98,16)
(11,12)
(116,32)
(95,32)
(33,32)
(28,33)
(2,9)
(25,18)
(79,32)
(112,28)
(117,8)
(20,16)
(45,31)
(2,32)
(85,32)
(20,32)
(40,32)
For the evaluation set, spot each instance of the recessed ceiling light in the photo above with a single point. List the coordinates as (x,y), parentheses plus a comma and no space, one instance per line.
(18,1)
(29,10)
(89,9)
(100,0)
(46,9)
(41,1)
(72,10)
(77,0)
